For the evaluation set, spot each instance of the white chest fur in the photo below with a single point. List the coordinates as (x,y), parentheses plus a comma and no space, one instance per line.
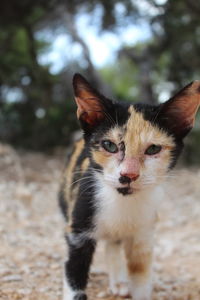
(121,216)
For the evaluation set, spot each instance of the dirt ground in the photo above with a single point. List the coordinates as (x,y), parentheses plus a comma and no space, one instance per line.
(32,247)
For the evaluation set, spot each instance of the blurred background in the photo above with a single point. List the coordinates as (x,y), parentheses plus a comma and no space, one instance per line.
(135,50)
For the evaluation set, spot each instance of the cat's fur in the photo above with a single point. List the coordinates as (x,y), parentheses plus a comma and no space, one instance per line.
(111,196)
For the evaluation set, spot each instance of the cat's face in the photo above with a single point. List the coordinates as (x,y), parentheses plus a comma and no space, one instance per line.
(133,156)
(132,147)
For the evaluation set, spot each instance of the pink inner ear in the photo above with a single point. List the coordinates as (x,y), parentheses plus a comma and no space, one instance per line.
(182,108)
(89,110)
(189,109)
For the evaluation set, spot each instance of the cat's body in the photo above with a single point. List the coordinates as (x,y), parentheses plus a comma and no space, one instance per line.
(110,185)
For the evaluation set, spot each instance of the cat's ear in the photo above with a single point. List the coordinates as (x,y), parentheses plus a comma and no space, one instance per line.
(90,106)
(179,112)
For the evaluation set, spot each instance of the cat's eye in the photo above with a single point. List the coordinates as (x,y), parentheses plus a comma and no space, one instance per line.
(153,149)
(109,146)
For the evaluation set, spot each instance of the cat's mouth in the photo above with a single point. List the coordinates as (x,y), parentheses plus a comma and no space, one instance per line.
(128,190)
(125,190)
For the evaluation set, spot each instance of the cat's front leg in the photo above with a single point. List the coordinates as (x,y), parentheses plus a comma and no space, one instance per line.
(81,250)
(117,270)
(139,263)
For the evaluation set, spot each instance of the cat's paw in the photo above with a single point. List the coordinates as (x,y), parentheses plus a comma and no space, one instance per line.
(80,296)
(70,294)
(141,292)
(77,296)
(120,289)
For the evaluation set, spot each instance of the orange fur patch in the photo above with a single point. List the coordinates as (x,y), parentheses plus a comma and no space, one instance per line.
(138,259)
(141,133)
(101,157)
(71,166)
(85,164)
(70,195)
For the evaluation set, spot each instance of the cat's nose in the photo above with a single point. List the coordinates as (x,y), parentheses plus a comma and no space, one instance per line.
(128,177)
(130,170)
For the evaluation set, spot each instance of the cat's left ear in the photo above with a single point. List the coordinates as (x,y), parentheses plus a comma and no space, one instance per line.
(90,103)
(179,112)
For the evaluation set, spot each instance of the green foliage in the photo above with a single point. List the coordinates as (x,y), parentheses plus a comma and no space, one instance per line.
(15,54)
(122,79)
(19,68)
(44,116)
(181,40)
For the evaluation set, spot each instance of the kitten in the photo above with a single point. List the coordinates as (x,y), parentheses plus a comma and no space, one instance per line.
(109,186)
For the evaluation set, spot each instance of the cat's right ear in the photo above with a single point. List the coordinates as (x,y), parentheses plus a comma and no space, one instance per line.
(179,112)
(89,102)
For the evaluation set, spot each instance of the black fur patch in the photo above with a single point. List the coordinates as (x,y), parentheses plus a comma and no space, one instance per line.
(84,209)
(83,155)
(77,267)
(62,202)
(125,191)
(124,180)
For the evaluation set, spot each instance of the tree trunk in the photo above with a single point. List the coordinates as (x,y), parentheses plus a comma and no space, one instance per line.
(93,74)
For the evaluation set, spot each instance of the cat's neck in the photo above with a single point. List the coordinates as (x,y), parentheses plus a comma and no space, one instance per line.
(120,216)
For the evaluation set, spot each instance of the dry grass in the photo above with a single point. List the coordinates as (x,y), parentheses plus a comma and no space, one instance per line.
(31,229)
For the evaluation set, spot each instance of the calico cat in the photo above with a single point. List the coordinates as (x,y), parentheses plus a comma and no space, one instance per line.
(109,187)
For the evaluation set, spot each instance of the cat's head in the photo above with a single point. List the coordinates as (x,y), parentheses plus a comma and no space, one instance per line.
(133,146)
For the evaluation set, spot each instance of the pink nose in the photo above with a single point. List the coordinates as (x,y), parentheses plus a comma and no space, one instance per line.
(132,176)
(130,168)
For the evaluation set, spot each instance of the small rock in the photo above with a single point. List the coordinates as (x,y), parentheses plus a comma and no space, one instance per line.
(12,278)
(25,291)
(102,294)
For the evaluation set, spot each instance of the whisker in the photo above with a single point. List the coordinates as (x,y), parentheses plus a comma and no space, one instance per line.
(157,114)
(116,118)
(110,176)
(82,171)
(110,118)
(87,188)
(87,177)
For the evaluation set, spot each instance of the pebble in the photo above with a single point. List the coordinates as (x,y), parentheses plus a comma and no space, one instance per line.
(102,294)
(24,291)
(12,278)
